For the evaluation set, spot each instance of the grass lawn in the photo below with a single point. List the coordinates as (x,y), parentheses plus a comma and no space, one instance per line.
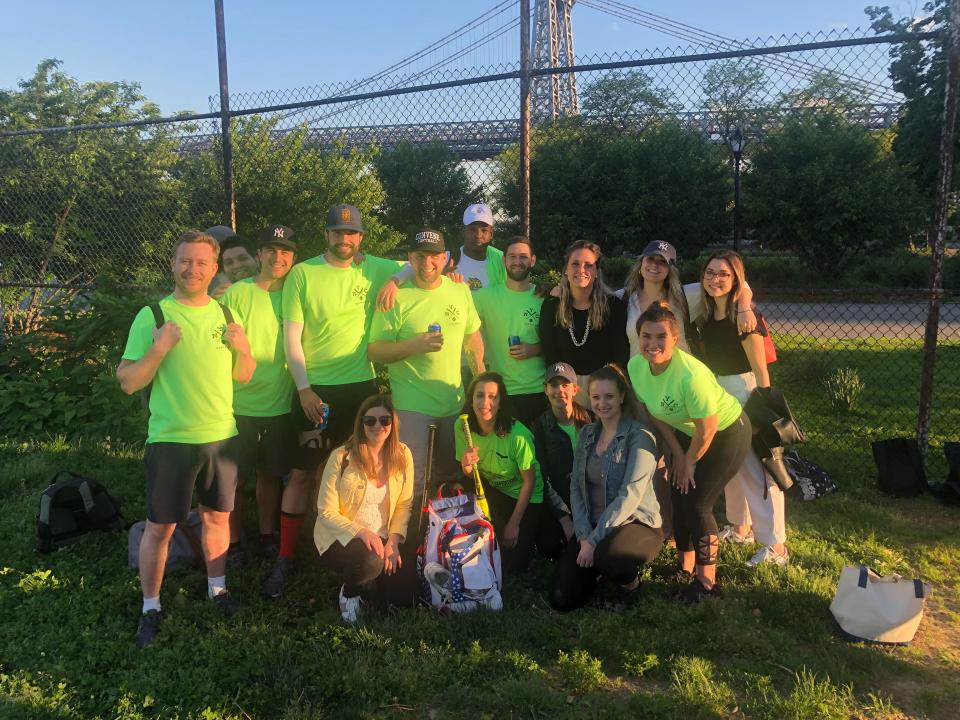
(768,649)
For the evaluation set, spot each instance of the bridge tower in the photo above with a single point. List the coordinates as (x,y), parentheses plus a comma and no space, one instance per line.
(556,94)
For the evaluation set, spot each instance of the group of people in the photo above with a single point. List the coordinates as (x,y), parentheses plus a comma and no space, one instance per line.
(597,434)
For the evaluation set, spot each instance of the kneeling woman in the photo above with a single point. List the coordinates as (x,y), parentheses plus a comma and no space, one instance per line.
(363,507)
(616,517)
(505,455)
(707,435)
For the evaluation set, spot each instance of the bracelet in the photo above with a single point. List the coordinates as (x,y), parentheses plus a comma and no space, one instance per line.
(743,311)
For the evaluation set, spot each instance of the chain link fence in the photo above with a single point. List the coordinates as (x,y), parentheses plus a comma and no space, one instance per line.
(413,150)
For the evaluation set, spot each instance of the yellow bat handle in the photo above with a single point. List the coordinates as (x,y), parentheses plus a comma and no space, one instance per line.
(468,438)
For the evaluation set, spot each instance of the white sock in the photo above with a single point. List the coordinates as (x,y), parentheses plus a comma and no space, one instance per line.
(216,586)
(151,604)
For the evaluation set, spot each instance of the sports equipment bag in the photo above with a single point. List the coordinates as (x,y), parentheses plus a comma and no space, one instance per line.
(459,560)
(877,609)
(72,507)
(183,550)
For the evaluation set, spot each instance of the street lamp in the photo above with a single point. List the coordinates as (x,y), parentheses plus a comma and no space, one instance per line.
(735,142)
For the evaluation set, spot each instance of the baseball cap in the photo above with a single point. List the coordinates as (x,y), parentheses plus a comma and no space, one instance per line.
(663,248)
(561,370)
(478,212)
(344,217)
(427,240)
(221,233)
(277,235)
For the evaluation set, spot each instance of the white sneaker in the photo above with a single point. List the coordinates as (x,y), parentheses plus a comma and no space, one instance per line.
(349,608)
(728,534)
(769,555)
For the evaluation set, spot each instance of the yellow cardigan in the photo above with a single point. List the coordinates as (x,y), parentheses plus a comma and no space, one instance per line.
(341,495)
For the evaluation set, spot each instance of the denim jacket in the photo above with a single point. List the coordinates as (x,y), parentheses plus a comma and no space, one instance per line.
(555,456)
(627,469)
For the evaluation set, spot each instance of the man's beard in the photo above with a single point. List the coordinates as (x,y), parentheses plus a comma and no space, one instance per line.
(521,276)
(343,254)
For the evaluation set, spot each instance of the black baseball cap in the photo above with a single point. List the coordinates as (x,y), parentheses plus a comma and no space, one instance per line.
(344,217)
(277,235)
(428,241)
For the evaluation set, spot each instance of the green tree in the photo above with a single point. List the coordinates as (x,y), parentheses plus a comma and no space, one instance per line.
(425,187)
(918,72)
(734,92)
(830,191)
(826,90)
(620,189)
(282,176)
(622,97)
(75,204)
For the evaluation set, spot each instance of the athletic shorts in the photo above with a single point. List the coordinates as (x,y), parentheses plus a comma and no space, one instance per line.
(173,469)
(344,401)
(266,443)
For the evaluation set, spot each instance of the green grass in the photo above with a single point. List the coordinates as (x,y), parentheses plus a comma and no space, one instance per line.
(766,650)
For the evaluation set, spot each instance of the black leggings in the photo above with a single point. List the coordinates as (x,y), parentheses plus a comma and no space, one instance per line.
(618,557)
(694,526)
(362,573)
(517,558)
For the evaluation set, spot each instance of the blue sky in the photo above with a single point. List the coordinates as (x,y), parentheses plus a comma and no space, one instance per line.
(169,47)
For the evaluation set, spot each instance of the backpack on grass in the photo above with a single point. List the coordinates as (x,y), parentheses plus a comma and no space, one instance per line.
(459,560)
(73,507)
(184,549)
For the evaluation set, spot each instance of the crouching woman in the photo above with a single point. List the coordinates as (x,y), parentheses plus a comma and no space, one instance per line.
(616,517)
(363,508)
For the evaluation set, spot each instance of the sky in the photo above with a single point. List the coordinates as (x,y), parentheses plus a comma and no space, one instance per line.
(170,47)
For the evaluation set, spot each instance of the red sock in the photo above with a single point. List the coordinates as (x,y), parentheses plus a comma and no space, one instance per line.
(290,524)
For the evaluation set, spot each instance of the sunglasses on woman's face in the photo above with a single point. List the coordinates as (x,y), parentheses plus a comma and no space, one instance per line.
(371,420)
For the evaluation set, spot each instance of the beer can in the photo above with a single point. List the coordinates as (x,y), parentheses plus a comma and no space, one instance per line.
(324,416)
(513,340)
(433,327)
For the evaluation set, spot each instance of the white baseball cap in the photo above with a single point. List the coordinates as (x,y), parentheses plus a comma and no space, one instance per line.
(478,212)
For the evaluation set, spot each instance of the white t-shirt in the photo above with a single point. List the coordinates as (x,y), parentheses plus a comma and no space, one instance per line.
(694,295)
(374,512)
(474,271)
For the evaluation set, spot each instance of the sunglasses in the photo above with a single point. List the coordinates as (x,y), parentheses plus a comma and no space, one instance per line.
(371,420)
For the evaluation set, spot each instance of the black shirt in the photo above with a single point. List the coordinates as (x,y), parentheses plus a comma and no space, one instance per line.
(608,344)
(723,351)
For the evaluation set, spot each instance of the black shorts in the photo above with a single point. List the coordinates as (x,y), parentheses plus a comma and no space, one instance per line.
(344,401)
(266,443)
(173,469)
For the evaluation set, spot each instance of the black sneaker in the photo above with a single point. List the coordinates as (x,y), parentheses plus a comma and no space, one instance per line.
(695,592)
(148,627)
(623,599)
(273,585)
(269,547)
(227,604)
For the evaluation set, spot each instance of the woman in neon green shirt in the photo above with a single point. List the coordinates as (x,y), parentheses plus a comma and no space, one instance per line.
(504,452)
(707,437)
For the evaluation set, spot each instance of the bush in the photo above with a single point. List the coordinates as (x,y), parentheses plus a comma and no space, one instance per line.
(844,387)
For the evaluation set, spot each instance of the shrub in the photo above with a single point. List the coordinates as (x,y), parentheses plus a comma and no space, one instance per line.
(581,671)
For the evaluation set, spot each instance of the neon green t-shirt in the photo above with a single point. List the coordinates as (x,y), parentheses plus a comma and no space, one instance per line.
(685,391)
(502,459)
(270,391)
(504,313)
(191,399)
(335,306)
(428,383)
(572,433)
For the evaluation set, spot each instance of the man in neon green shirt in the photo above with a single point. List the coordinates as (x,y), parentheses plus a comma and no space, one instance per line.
(510,315)
(327,305)
(262,406)
(424,361)
(188,362)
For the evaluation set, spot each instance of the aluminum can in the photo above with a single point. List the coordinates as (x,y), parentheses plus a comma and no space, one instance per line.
(513,340)
(433,327)
(324,417)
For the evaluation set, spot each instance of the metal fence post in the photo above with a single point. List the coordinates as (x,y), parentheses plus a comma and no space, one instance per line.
(938,229)
(525,118)
(230,200)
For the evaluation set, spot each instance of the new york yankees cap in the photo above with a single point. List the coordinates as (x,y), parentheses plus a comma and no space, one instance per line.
(277,235)
(662,248)
(562,370)
(344,217)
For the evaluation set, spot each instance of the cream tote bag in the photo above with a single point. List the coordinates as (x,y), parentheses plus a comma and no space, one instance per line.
(878,609)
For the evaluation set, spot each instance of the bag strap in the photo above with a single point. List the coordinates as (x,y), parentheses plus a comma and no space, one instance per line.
(45,502)
(227,315)
(87,496)
(158,318)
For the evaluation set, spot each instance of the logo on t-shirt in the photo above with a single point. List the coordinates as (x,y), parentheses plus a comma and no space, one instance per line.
(359,293)
(217,333)
(532,316)
(475,283)
(669,405)
(452,312)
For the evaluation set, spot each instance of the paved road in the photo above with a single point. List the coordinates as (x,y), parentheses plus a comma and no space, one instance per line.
(902,321)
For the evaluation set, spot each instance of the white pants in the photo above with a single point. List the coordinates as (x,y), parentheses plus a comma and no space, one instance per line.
(744,494)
